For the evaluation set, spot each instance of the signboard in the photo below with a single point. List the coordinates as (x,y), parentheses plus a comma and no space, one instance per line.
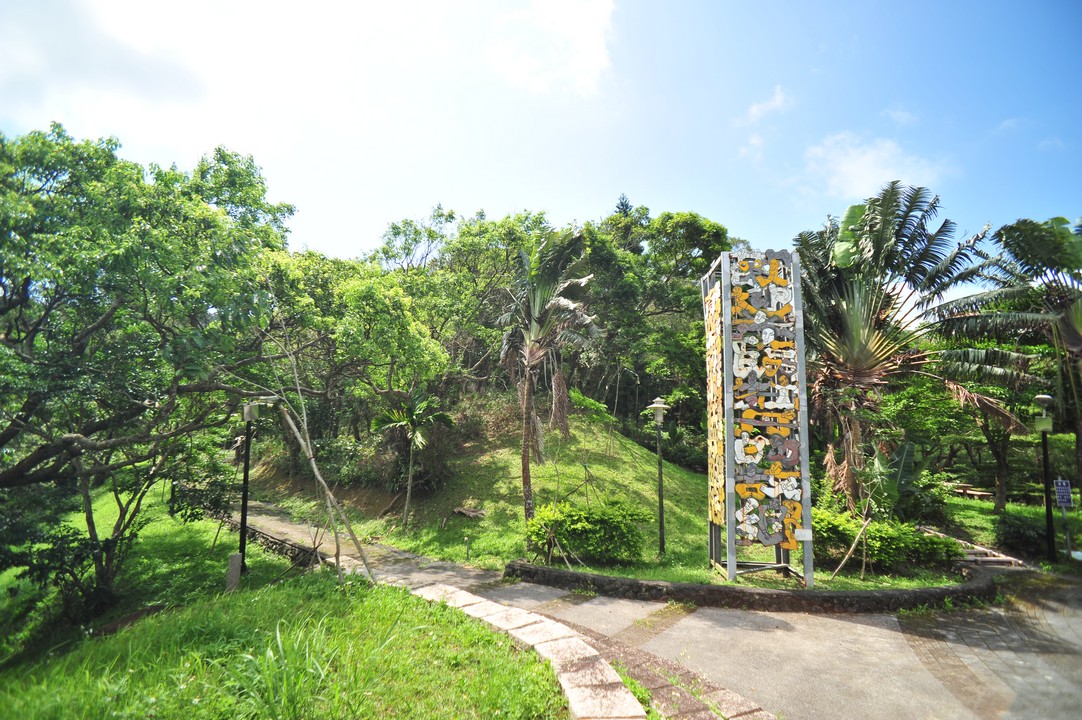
(1063,493)
(757,451)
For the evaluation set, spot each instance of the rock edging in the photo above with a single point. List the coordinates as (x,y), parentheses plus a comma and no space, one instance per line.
(979,587)
(591,686)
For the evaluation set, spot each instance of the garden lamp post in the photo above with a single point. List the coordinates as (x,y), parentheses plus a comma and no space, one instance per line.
(1044,426)
(251,412)
(659,407)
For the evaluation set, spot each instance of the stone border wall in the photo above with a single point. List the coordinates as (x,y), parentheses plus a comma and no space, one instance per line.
(299,555)
(979,587)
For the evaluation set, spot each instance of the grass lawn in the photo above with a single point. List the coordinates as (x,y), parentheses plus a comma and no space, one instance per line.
(286,645)
(590,466)
(304,648)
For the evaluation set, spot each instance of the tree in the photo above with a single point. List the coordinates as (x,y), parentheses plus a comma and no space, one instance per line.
(125,299)
(545,314)
(416,414)
(1032,281)
(867,283)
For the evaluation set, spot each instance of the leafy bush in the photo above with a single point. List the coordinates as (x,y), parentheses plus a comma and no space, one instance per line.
(594,410)
(891,546)
(1020,533)
(607,534)
(924,499)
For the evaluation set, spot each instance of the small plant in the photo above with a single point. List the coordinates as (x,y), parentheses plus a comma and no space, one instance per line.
(607,534)
(1020,533)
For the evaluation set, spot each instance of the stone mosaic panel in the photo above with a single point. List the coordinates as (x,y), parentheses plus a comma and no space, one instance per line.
(756,423)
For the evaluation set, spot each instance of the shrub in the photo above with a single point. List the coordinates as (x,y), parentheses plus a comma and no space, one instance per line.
(924,499)
(891,546)
(607,534)
(1020,533)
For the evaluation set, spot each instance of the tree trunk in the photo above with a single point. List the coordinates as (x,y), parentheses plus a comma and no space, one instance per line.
(560,404)
(409,492)
(527,441)
(998,445)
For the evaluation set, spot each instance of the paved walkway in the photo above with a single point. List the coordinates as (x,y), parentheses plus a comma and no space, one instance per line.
(1019,660)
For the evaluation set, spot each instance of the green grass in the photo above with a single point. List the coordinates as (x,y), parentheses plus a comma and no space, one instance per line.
(486,473)
(172,563)
(975,521)
(303,648)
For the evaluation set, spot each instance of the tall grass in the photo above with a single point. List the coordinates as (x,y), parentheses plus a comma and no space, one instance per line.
(304,648)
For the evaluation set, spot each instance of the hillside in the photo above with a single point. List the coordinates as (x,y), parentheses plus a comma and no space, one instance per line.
(593,464)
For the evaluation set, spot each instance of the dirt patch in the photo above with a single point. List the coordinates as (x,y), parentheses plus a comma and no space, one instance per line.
(370,501)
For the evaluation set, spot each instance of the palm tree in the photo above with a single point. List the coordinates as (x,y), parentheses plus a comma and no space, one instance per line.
(545,314)
(868,284)
(1032,281)
(416,414)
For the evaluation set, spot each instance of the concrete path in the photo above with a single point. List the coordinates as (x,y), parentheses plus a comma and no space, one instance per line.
(1020,660)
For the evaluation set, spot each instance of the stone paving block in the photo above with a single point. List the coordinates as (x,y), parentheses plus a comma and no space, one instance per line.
(603,701)
(729,703)
(544,631)
(482,609)
(512,618)
(591,671)
(565,651)
(694,715)
(461,599)
(651,679)
(436,592)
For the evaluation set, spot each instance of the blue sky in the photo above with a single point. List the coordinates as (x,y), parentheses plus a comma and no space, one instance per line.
(765,117)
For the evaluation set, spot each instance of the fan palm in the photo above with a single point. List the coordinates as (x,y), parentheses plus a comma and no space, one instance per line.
(1032,281)
(544,315)
(416,414)
(868,283)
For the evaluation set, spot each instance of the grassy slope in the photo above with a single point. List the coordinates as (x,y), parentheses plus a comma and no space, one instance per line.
(383,652)
(301,649)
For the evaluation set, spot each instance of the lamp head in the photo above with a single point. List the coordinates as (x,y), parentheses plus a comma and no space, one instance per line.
(659,407)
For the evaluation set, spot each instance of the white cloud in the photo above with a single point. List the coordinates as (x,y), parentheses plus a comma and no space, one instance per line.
(554,45)
(1051,144)
(777,102)
(899,116)
(1007,125)
(847,166)
(753,148)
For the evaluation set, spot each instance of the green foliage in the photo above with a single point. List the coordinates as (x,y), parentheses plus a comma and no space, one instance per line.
(594,410)
(1020,533)
(924,499)
(607,533)
(128,298)
(303,648)
(891,546)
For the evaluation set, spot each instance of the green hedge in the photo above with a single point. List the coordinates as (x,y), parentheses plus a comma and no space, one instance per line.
(606,533)
(891,546)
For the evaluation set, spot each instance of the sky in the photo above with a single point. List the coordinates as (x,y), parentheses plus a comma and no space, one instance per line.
(764,117)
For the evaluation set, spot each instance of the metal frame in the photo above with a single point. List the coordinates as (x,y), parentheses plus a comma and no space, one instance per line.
(721,273)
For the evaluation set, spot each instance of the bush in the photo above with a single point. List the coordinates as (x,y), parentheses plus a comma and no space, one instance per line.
(607,534)
(1020,533)
(925,499)
(891,546)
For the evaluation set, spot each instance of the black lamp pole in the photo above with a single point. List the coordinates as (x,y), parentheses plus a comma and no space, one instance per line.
(1049,530)
(249,415)
(659,407)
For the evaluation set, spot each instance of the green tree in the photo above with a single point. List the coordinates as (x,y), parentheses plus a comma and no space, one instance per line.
(867,283)
(416,413)
(546,314)
(1032,279)
(126,298)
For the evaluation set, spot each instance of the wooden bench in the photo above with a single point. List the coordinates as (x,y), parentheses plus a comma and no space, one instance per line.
(967,491)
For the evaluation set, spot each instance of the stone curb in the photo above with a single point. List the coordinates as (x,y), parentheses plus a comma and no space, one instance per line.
(980,587)
(593,689)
